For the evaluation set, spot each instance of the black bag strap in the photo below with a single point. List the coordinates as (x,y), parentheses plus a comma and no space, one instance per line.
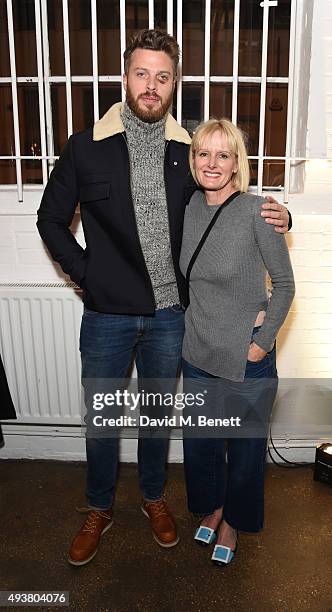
(204,237)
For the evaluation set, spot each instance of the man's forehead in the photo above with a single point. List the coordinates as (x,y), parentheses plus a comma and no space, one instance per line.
(148,59)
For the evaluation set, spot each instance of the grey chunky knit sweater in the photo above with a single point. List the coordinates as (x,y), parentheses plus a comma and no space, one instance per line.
(146,144)
(228,284)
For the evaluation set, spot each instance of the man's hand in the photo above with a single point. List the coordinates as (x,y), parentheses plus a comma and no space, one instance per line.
(276,214)
(256,353)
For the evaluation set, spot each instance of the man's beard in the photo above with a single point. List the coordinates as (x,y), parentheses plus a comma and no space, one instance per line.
(149,115)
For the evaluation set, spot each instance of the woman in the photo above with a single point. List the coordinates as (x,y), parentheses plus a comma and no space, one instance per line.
(229,343)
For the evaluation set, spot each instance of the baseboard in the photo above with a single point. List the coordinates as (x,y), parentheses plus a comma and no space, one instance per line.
(68,444)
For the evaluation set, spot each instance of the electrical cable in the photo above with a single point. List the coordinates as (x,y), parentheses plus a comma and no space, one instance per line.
(286,463)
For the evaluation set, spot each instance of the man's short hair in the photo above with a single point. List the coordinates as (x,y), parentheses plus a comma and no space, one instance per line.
(155,40)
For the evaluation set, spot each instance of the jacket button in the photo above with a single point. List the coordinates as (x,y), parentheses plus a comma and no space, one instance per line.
(175,163)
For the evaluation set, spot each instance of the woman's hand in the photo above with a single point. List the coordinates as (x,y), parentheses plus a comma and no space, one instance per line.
(256,353)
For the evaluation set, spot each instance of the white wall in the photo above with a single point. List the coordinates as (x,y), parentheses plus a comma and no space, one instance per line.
(305,342)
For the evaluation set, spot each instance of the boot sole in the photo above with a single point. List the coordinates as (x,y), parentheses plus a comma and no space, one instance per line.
(78,563)
(162,544)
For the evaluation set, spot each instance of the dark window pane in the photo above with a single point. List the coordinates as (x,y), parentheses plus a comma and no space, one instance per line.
(82,96)
(137,16)
(59,116)
(108,23)
(222,24)
(7,146)
(250,43)
(173,110)
(273,174)
(278,43)
(7,172)
(80,37)
(4,46)
(28,108)
(193,37)
(109,94)
(248,115)
(253,165)
(160,15)
(25,37)
(276,120)
(32,172)
(221,100)
(55,37)
(192,106)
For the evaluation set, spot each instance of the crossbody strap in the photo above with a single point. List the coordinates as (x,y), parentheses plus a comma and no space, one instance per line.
(204,237)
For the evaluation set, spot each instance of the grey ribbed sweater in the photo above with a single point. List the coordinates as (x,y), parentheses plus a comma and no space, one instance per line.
(146,144)
(228,284)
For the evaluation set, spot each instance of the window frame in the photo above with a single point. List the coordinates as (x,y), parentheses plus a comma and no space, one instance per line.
(44,80)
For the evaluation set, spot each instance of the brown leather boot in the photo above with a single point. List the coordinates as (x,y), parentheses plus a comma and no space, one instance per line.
(162,522)
(85,544)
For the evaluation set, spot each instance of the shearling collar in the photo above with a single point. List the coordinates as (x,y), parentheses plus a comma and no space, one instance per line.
(111,124)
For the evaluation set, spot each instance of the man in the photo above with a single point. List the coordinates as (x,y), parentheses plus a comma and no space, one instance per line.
(131,177)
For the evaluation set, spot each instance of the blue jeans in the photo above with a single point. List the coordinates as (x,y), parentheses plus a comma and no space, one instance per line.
(108,345)
(238,485)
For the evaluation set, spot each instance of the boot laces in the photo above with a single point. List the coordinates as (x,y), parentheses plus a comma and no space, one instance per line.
(159,508)
(91,522)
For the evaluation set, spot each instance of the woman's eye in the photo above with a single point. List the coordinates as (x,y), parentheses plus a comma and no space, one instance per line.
(202,154)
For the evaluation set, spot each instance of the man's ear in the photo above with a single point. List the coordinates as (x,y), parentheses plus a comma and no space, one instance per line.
(124,81)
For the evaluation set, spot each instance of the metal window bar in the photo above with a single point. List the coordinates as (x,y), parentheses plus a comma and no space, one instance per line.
(122,39)
(151,14)
(14,100)
(265,5)
(291,70)
(41,98)
(179,84)
(117,78)
(47,84)
(94,45)
(207,59)
(265,157)
(67,66)
(170,17)
(235,79)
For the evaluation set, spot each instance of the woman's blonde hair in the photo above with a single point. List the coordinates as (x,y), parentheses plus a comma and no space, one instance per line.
(235,143)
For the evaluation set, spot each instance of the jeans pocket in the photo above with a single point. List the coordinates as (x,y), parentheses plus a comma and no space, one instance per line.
(177,308)
(265,367)
(259,361)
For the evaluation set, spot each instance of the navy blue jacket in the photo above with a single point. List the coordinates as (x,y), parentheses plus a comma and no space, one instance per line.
(94,170)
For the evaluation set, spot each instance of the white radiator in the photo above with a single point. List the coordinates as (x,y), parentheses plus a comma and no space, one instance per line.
(39,335)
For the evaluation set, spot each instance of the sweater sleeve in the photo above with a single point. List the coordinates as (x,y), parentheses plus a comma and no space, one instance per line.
(274,252)
(56,213)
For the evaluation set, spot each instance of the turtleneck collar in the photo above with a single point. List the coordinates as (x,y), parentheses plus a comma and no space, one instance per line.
(134,124)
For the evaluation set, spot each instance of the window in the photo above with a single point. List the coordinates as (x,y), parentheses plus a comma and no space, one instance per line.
(61,64)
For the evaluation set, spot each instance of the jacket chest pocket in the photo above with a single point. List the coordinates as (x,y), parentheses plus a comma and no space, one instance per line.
(94,192)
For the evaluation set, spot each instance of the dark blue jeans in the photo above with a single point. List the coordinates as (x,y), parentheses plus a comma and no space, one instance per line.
(108,344)
(238,485)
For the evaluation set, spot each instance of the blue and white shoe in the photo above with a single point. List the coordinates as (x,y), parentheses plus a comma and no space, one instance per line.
(205,535)
(223,555)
